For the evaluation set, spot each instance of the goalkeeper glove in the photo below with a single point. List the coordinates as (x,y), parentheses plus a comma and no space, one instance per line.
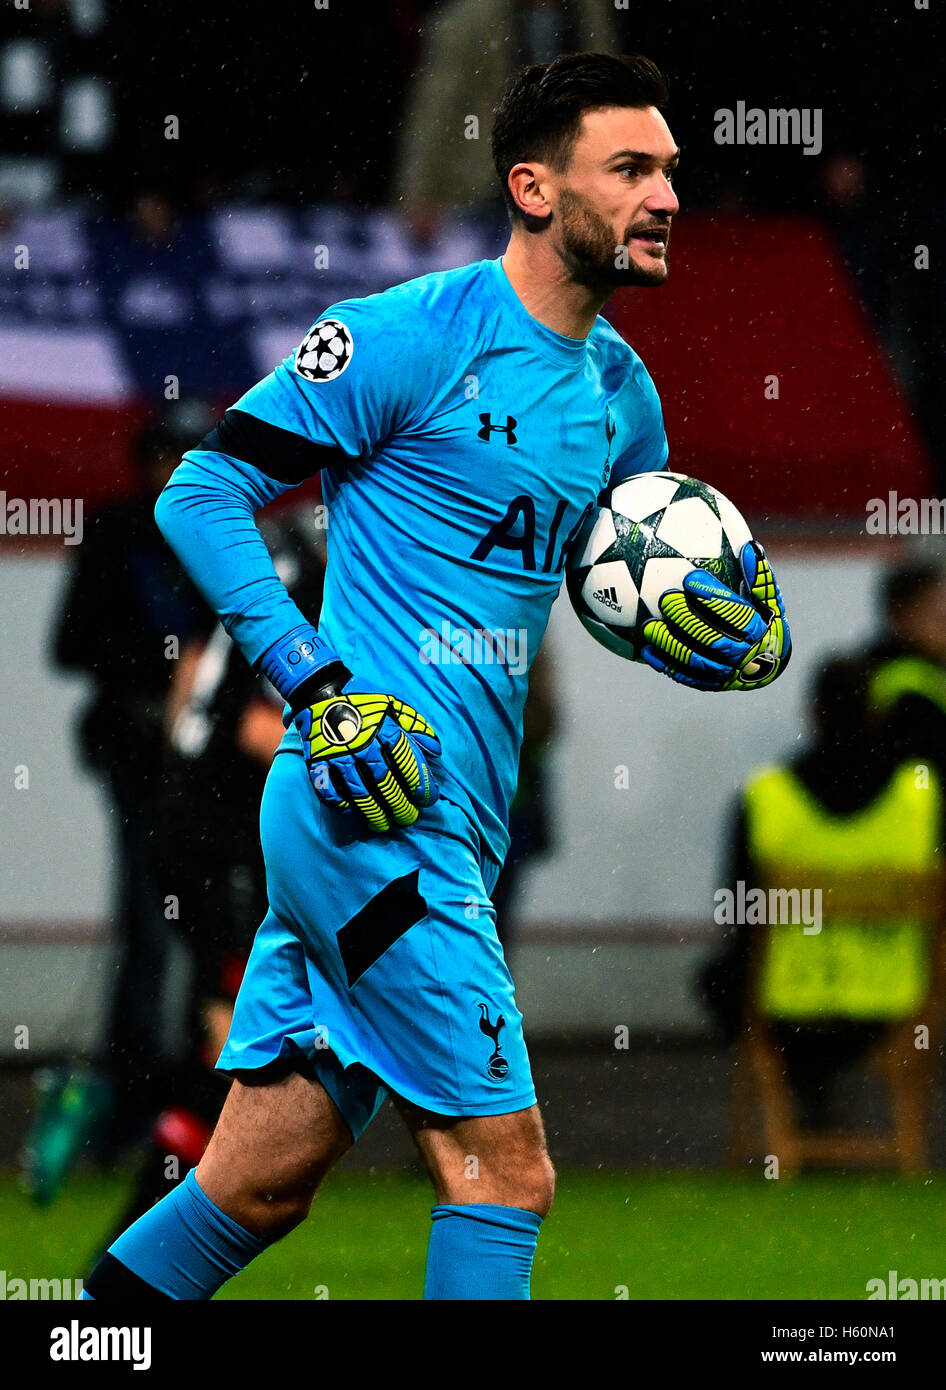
(711,638)
(366,753)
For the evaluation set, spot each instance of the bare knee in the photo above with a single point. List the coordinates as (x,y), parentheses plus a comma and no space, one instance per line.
(514,1179)
(498,1160)
(548,1190)
(274,1143)
(269,1205)
(534,1188)
(266,1211)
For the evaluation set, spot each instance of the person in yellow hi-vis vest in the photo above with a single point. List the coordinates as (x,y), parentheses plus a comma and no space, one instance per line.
(907,683)
(830,855)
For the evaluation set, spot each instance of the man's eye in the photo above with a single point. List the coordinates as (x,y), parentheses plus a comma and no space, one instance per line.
(636,170)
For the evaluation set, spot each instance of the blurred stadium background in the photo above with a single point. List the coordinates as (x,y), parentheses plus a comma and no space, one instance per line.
(191,196)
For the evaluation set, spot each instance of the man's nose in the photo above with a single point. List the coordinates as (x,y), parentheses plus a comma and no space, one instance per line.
(661,199)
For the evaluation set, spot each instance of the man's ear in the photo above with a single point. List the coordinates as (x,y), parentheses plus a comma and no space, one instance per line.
(525,184)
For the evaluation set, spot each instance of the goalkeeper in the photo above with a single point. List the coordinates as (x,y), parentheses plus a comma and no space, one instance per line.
(463,424)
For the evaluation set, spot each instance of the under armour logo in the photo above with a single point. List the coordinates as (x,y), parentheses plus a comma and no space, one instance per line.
(508,429)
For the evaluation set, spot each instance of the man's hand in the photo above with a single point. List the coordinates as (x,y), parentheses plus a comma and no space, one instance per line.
(711,638)
(368,754)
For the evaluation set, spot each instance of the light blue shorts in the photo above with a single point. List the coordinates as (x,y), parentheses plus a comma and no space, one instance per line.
(379,961)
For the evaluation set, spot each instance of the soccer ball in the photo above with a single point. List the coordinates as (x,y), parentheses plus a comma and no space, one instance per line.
(325,351)
(655,530)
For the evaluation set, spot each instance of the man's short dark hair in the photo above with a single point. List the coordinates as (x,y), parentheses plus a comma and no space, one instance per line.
(541,109)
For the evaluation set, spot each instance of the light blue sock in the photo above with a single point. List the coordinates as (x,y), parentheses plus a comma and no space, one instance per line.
(481,1252)
(183,1248)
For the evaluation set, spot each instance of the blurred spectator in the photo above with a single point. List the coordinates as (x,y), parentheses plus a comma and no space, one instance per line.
(529,820)
(127,604)
(908,663)
(905,302)
(471,49)
(851,768)
(864,232)
(848,208)
(224,725)
(873,716)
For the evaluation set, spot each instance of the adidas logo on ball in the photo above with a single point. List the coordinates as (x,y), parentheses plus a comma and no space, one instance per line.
(609,597)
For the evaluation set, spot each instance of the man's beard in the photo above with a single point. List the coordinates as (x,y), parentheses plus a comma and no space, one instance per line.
(591,253)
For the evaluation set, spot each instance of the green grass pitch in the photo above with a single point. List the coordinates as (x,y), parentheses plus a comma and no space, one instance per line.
(657,1235)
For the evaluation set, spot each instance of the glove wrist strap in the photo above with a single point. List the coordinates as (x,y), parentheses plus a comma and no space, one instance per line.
(297,657)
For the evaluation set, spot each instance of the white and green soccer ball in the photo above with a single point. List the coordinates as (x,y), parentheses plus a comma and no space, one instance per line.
(656,528)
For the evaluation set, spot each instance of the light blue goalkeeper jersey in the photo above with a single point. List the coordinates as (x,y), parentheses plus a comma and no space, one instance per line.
(460,444)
